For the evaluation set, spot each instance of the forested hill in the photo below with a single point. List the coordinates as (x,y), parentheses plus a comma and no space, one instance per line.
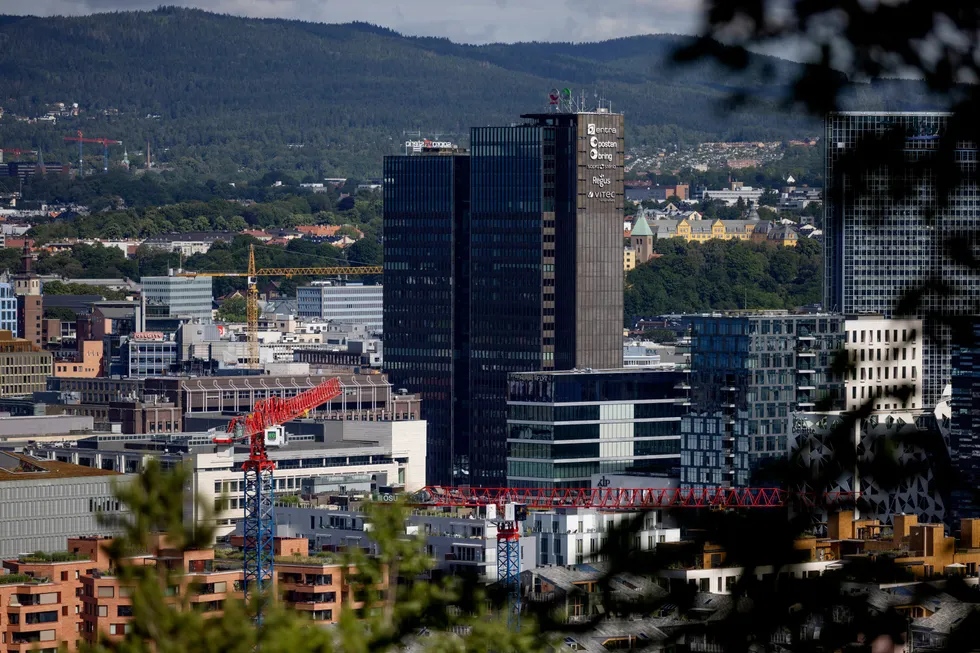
(223,95)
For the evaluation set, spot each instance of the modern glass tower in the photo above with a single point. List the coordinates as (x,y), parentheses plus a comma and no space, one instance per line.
(749,374)
(537,259)
(876,248)
(426,202)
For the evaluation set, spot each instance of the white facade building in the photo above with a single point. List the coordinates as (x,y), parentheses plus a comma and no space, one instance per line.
(348,303)
(189,297)
(885,355)
(730,196)
(355,456)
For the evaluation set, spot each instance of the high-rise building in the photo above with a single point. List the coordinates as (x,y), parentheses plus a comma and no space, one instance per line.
(749,374)
(878,248)
(563,427)
(537,261)
(174,298)
(353,303)
(426,203)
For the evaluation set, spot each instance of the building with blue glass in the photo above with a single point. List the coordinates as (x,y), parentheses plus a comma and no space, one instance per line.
(8,306)
(511,262)
(565,426)
(749,373)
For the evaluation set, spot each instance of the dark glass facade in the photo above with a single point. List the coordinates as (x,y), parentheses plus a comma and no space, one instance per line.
(965,426)
(529,277)
(749,374)
(876,248)
(426,200)
(564,427)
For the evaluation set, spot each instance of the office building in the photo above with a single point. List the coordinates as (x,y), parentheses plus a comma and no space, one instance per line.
(885,359)
(24,367)
(538,265)
(178,298)
(563,427)
(749,373)
(877,249)
(350,303)
(332,456)
(42,502)
(8,306)
(427,196)
(149,354)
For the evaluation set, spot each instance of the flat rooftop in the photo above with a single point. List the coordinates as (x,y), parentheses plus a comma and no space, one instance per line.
(587,371)
(15,467)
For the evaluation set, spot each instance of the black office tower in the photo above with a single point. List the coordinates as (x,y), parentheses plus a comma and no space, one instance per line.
(538,275)
(426,199)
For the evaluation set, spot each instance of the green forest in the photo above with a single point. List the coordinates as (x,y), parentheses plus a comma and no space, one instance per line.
(224,97)
(723,275)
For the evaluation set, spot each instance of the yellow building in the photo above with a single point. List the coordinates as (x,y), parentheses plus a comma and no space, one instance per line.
(629,259)
(24,368)
(699,231)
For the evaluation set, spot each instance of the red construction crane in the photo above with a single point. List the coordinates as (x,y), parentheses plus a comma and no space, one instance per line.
(15,151)
(262,428)
(106,142)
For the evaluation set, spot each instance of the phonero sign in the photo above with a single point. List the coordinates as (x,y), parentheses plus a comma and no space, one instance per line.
(426,144)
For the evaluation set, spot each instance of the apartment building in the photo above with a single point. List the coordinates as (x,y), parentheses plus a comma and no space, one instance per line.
(885,356)
(74,597)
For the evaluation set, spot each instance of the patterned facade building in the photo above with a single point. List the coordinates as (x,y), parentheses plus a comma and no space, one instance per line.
(820,439)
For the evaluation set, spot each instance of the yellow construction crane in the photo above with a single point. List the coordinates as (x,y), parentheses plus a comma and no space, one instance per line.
(252,299)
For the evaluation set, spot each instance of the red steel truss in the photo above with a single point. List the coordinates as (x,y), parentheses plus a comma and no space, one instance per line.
(624,498)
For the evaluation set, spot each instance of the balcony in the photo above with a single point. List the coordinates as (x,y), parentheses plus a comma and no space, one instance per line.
(310,597)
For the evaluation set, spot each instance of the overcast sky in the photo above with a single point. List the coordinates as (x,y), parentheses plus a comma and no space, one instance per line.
(467,21)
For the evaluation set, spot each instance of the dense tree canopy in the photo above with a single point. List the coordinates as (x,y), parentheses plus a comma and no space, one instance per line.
(724,275)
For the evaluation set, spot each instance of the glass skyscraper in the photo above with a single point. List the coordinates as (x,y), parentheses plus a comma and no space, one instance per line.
(426,202)
(537,264)
(878,248)
(749,373)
